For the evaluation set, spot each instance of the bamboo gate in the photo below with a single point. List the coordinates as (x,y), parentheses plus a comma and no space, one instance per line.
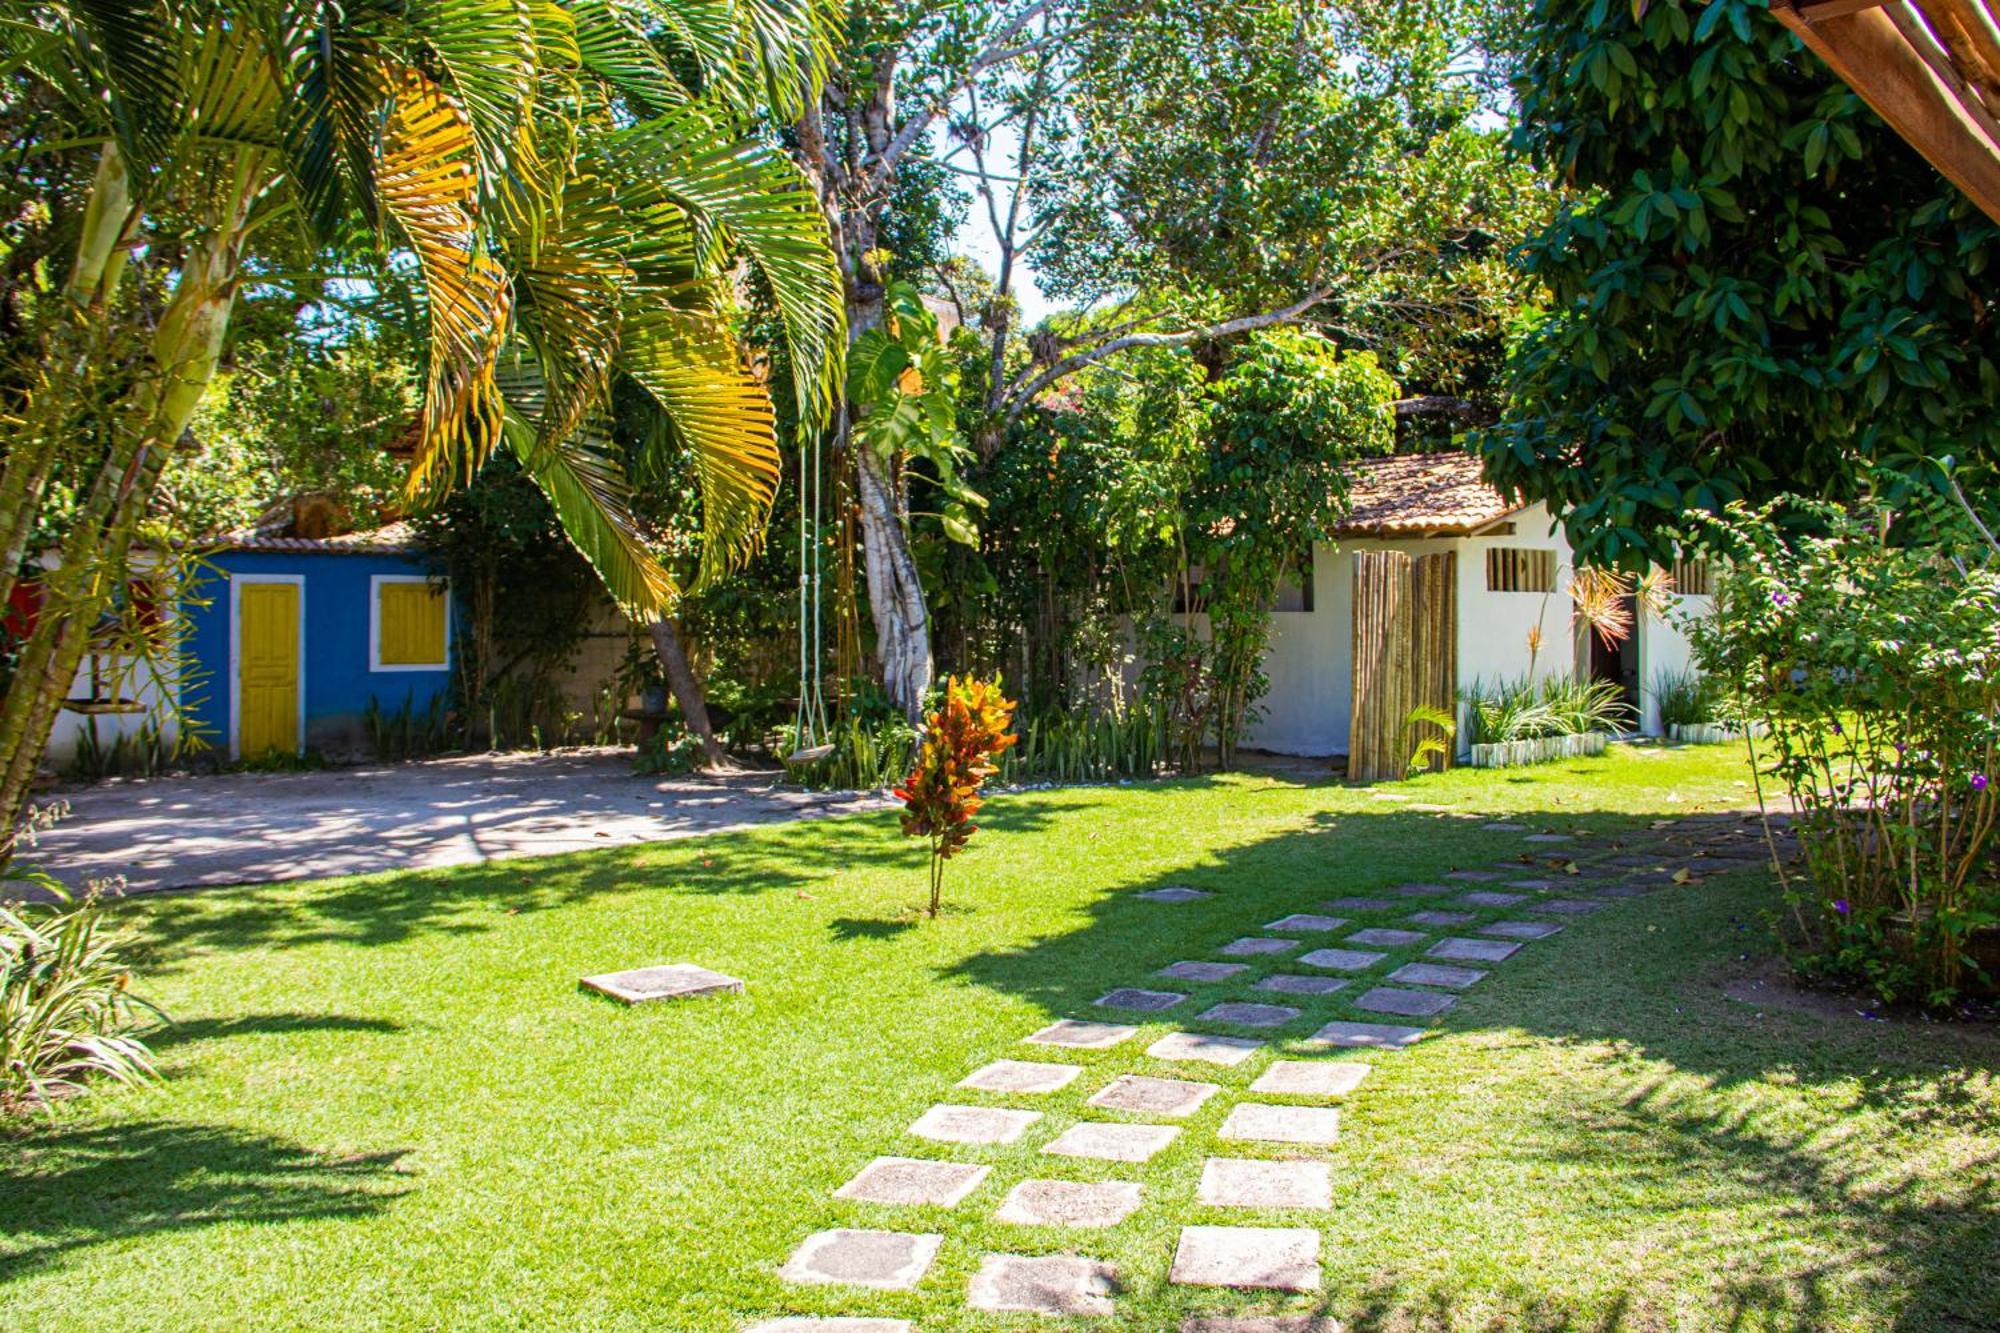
(1405,657)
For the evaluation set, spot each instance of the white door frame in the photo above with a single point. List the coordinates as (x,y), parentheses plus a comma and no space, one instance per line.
(236,583)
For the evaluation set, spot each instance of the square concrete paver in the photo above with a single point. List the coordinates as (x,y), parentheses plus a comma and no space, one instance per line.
(1191,970)
(1359,904)
(1534,885)
(909,1180)
(1314,1125)
(1310,1078)
(1141,1094)
(1342,960)
(1070,1203)
(1251,946)
(1442,918)
(1474,876)
(1502,827)
(1083,1035)
(1568,906)
(973,1124)
(1489,898)
(817,1323)
(1436,974)
(890,1260)
(1228,1182)
(1261,1323)
(1459,949)
(1408,1003)
(1280,1258)
(1174,893)
(1419,890)
(1307,922)
(1383,937)
(1021,1076)
(1284,983)
(1145,1001)
(1521,930)
(1055,1284)
(669,981)
(1197,1046)
(1382,1036)
(1548,838)
(1247,1015)
(1107,1142)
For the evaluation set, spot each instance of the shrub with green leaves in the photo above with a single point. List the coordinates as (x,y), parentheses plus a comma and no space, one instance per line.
(1522,710)
(67,1012)
(1875,664)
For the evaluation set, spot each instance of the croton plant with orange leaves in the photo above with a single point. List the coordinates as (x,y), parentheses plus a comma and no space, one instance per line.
(941,795)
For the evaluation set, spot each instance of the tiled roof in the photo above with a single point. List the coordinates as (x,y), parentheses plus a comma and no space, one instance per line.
(391,539)
(1413,494)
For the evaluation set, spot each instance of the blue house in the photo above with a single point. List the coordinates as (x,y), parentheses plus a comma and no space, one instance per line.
(291,638)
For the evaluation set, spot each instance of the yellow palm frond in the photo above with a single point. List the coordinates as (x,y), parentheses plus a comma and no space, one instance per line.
(426,182)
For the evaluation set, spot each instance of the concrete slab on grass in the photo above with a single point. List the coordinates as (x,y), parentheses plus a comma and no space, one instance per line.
(886,1260)
(1275,1258)
(1055,1284)
(910,1180)
(666,981)
(1408,1003)
(973,1124)
(1021,1076)
(1310,1078)
(1316,1126)
(1229,1182)
(1069,1203)
(1140,1094)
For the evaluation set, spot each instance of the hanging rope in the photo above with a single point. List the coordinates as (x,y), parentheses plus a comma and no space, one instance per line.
(813,740)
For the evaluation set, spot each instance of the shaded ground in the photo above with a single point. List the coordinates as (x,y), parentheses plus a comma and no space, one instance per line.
(253,828)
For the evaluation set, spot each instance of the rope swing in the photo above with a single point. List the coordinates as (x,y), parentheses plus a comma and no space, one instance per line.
(812,738)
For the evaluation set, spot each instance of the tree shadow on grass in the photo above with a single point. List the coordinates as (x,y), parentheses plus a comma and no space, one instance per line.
(392,908)
(71,1188)
(180,1033)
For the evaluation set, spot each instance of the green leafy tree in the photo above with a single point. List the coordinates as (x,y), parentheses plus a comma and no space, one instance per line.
(1757,287)
(571,186)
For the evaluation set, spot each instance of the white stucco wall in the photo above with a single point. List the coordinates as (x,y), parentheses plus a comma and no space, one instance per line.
(1663,649)
(1311,658)
(126,679)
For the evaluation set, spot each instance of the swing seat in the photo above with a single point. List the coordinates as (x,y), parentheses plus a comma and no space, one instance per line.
(809,756)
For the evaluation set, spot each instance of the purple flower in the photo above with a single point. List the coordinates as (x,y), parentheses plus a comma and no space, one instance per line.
(1979,782)
(1902,748)
(1780,597)
(1840,906)
(1837,731)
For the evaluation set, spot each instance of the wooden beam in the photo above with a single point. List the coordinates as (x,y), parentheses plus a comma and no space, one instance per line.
(1815,11)
(1868,52)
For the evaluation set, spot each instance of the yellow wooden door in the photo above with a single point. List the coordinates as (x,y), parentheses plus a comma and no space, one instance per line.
(267,668)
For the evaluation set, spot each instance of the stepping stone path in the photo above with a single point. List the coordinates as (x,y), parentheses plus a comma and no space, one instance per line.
(1473,951)
(1051,1284)
(1382,937)
(1083,1036)
(1284,983)
(1316,1125)
(1295,1175)
(1408,1003)
(1307,922)
(1195,971)
(904,1180)
(1342,960)
(1228,1182)
(1069,1203)
(1107,1142)
(669,981)
(1174,893)
(1310,1078)
(1250,1015)
(888,1260)
(1146,1001)
(1022,1076)
(1280,1258)
(1436,974)
(973,1124)
(1143,1095)
(1251,946)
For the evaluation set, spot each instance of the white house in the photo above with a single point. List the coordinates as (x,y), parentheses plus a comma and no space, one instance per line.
(1503,583)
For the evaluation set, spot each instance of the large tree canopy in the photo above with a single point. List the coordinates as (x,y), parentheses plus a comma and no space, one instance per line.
(1757,288)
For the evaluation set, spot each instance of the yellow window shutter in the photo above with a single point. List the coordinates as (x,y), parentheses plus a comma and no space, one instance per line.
(412,624)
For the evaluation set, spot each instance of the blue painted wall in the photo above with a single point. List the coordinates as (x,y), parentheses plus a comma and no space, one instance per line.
(338,682)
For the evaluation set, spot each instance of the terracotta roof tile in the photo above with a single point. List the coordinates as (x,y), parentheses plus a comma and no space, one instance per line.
(1412,494)
(391,539)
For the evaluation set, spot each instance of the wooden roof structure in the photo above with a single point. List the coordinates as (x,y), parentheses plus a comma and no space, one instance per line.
(1930,68)
(1421,495)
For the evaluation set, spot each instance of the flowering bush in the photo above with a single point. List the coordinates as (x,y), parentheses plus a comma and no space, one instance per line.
(941,795)
(1872,654)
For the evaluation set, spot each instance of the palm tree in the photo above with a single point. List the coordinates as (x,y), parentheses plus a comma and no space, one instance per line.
(573,183)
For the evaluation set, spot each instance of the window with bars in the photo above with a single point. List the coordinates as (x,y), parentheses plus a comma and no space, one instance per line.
(1520,569)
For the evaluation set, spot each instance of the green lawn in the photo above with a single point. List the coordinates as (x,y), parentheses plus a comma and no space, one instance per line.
(388,1104)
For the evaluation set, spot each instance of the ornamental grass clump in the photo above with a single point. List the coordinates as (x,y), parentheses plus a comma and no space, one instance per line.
(1869,646)
(941,795)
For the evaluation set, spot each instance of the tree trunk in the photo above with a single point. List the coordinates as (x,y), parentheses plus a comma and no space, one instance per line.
(186,345)
(895,591)
(681,680)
